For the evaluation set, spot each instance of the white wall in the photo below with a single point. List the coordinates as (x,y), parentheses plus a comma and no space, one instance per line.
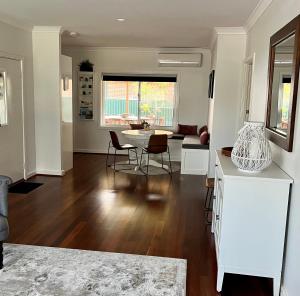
(46,65)
(228,55)
(278,14)
(193,85)
(15,41)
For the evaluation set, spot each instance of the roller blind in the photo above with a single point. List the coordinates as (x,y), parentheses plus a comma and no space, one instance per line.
(141,78)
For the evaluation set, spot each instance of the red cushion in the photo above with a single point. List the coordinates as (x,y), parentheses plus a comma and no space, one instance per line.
(202,129)
(204,137)
(136,126)
(187,129)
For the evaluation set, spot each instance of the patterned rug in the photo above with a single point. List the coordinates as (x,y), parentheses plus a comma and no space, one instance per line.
(35,271)
(152,171)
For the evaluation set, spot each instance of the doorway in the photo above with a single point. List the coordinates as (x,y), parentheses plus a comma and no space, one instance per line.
(246,95)
(11,119)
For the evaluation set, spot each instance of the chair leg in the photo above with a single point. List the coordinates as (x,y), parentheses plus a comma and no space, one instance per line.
(141,160)
(208,222)
(128,156)
(136,157)
(1,255)
(209,208)
(162,161)
(107,155)
(170,164)
(206,199)
(148,164)
(115,160)
(141,164)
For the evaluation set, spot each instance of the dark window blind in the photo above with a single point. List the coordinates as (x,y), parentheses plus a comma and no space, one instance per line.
(140,78)
(286,80)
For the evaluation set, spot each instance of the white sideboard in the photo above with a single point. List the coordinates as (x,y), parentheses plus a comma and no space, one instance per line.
(249,220)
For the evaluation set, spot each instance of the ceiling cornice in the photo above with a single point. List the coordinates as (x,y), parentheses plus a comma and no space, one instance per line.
(225,31)
(56,29)
(256,13)
(15,23)
(230,30)
(138,49)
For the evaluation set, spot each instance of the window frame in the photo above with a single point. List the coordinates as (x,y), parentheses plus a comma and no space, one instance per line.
(175,108)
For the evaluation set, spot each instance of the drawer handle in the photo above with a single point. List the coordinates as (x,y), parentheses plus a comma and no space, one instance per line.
(214,197)
(218,217)
(219,179)
(216,165)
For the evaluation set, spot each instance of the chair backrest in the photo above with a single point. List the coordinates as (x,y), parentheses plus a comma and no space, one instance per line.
(158,144)
(4,182)
(115,140)
(136,126)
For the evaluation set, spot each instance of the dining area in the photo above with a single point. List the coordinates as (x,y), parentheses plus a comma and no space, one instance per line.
(148,152)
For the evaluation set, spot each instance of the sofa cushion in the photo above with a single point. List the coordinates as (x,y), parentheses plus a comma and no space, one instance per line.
(187,129)
(177,137)
(136,126)
(193,142)
(202,129)
(204,138)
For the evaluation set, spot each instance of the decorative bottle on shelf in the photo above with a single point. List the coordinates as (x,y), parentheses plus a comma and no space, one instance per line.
(252,152)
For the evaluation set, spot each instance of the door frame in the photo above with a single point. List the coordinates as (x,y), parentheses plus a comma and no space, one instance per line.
(20,59)
(247,83)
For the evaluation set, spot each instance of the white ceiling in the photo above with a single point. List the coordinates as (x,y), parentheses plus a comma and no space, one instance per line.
(149,23)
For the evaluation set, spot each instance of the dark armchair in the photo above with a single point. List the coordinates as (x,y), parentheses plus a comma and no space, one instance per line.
(4,230)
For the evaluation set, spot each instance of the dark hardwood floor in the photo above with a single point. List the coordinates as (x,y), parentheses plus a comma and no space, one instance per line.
(91,208)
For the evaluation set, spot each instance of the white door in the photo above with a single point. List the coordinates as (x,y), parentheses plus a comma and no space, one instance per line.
(66,113)
(11,111)
(248,92)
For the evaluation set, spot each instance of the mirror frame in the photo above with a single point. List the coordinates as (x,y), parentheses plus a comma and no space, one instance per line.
(293,27)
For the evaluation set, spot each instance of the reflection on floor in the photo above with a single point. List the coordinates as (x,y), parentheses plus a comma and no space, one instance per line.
(92,208)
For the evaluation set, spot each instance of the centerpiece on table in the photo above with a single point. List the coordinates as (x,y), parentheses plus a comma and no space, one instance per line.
(145,125)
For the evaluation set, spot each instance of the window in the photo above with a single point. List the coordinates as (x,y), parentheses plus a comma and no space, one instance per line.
(132,99)
(3,103)
(284,102)
(66,99)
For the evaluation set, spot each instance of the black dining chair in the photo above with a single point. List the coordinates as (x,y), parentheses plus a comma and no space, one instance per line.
(158,144)
(114,143)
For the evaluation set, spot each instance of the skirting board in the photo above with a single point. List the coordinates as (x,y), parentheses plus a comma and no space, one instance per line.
(50,172)
(193,172)
(30,174)
(283,291)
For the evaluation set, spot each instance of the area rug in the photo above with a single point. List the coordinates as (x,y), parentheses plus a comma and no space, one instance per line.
(24,187)
(152,171)
(37,271)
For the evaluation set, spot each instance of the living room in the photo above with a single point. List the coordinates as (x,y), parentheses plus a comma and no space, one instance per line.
(111,184)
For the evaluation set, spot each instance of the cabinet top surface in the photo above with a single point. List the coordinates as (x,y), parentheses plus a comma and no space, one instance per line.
(272,173)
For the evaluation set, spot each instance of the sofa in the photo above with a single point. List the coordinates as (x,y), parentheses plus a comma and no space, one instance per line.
(194,155)
(4,229)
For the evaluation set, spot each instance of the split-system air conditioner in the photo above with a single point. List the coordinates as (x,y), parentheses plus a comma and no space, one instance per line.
(180,59)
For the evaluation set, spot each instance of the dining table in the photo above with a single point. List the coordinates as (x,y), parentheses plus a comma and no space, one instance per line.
(140,139)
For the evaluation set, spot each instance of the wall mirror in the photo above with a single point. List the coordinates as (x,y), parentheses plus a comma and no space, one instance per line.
(284,60)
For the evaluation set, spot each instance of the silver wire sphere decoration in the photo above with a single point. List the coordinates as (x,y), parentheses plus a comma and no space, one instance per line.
(252,152)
